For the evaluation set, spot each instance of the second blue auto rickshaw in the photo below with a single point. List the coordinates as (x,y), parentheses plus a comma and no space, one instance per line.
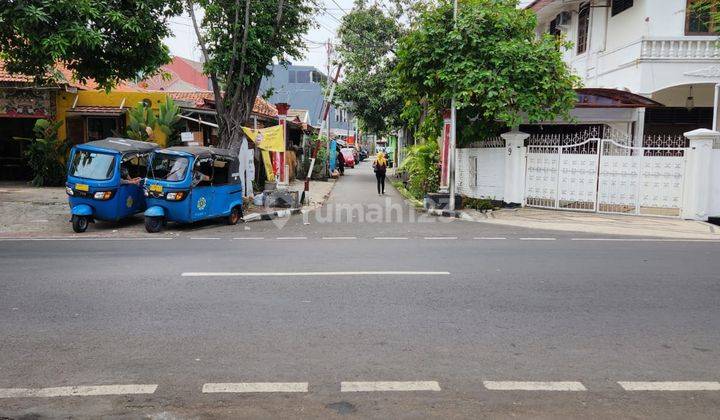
(104,180)
(188,184)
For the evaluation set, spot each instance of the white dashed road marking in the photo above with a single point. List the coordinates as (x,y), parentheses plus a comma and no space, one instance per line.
(77,391)
(247,387)
(316,273)
(533,386)
(670,386)
(389,386)
(641,240)
(84,239)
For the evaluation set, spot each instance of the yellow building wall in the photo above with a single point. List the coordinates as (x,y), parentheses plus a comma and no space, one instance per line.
(65,101)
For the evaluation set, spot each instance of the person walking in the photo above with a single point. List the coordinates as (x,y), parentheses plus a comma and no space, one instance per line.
(380,167)
(340,159)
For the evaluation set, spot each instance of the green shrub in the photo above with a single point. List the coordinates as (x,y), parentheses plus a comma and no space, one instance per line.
(422,165)
(46,154)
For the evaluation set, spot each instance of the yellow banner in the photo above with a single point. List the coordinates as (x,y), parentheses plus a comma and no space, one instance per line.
(268,165)
(271,138)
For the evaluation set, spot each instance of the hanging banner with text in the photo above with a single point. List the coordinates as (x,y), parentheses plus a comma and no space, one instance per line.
(271,139)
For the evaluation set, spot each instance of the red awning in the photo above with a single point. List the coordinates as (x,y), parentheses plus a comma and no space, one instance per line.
(612,98)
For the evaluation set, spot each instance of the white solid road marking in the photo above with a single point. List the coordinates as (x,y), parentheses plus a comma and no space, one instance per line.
(77,391)
(641,240)
(538,239)
(315,273)
(290,238)
(339,238)
(440,238)
(483,238)
(389,386)
(670,386)
(389,238)
(533,386)
(245,387)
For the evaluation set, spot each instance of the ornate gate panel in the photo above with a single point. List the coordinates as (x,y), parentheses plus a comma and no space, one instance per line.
(562,176)
(641,180)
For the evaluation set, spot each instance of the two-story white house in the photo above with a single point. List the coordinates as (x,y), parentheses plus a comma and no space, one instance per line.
(662,50)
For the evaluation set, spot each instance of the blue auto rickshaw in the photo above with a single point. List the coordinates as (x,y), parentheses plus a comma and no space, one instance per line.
(188,184)
(104,180)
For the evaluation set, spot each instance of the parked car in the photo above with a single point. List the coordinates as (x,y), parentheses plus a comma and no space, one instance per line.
(187,184)
(104,180)
(347,153)
(363,154)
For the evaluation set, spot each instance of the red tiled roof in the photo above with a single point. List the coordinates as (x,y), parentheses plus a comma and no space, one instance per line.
(67,76)
(109,110)
(261,107)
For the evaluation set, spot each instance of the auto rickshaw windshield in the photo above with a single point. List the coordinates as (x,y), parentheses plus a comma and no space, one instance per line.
(168,167)
(92,165)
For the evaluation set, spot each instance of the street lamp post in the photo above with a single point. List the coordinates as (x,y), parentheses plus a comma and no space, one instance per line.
(453,133)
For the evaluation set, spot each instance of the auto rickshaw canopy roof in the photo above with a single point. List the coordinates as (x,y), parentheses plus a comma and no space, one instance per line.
(121,145)
(200,151)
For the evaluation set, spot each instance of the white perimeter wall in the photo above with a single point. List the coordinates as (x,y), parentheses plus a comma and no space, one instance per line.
(490,172)
(715,184)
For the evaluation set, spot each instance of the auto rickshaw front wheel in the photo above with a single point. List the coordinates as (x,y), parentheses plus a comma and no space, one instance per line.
(153,224)
(235,215)
(80,223)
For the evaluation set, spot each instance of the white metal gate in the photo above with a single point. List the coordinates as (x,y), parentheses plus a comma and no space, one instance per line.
(562,176)
(603,175)
(641,180)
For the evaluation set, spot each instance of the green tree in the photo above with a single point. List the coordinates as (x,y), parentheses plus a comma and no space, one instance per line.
(107,41)
(142,122)
(491,61)
(239,41)
(46,154)
(368,36)
(169,121)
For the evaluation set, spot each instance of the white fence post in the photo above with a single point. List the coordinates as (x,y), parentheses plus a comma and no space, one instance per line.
(515,166)
(696,200)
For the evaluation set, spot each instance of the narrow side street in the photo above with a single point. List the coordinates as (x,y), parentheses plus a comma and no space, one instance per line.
(330,318)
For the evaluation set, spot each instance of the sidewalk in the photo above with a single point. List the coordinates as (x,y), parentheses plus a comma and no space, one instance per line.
(28,211)
(596,223)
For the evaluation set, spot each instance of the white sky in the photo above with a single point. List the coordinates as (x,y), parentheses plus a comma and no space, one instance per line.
(184,43)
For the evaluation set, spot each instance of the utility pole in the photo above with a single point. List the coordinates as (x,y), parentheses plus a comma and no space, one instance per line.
(453,132)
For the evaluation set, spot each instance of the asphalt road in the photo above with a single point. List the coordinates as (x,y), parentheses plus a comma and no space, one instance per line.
(465,320)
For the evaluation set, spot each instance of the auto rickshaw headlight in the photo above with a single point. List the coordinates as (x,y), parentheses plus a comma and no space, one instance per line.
(146,192)
(103,195)
(69,191)
(175,196)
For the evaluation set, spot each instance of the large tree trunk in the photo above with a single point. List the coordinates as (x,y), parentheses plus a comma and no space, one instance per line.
(236,115)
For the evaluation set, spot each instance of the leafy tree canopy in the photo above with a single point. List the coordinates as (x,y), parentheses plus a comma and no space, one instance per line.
(492,62)
(240,40)
(368,37)
(107,41)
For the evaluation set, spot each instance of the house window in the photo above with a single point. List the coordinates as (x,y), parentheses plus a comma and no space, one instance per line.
(583,27)
(619,6)
(699,17)
(291,76)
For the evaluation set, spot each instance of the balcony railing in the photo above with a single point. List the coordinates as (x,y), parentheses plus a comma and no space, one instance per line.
(687,48)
